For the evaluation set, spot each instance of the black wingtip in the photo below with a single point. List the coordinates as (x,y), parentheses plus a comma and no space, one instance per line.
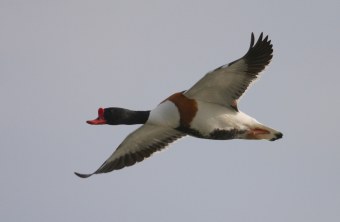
(260,37)
(83,175)
(259,54)
(252,40)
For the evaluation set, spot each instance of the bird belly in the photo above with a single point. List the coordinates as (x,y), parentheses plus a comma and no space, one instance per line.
(213,121)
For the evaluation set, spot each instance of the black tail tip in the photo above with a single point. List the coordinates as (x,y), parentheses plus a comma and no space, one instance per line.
(82,175)
(278,135)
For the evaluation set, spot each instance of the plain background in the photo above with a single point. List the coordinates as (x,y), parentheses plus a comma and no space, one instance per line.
(61,60)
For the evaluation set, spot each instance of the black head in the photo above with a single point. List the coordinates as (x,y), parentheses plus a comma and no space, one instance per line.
(117,116)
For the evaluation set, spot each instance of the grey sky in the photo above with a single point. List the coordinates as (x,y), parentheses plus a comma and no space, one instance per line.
(61,60)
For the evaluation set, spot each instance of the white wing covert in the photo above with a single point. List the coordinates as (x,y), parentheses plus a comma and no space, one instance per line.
(227,83)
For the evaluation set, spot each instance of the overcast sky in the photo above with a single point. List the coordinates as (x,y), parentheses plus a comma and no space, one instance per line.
(61,60)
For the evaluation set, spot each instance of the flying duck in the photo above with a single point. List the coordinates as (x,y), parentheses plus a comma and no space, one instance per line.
(208,110)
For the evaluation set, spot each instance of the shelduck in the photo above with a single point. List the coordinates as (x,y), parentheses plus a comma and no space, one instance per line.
(207,110)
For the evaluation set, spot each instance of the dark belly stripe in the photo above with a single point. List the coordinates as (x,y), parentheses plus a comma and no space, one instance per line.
(221,134)
(217,134)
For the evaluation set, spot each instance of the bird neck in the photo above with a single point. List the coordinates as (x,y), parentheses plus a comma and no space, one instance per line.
(136,117)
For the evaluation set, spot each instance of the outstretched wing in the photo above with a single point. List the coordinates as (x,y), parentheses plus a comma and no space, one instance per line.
(137,146)
(227,83)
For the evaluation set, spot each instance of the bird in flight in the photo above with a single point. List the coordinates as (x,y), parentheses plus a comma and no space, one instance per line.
(208,110)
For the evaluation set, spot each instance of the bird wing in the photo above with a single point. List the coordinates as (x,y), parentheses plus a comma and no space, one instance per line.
(137,146)
(227,83)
